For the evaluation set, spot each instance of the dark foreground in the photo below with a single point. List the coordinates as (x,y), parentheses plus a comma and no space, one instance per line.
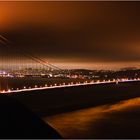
(89,111)
(16,121)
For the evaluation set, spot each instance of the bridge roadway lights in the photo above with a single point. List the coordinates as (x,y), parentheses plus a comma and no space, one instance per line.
(69,84)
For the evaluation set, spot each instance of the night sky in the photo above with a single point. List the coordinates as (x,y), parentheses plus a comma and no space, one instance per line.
(75,34)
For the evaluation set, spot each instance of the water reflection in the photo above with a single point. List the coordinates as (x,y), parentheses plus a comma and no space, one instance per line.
(120,120)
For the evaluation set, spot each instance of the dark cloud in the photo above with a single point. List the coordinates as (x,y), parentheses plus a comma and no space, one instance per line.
(91,31)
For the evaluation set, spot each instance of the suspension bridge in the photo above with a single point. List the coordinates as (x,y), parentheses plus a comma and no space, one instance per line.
(15,58)
(16,62)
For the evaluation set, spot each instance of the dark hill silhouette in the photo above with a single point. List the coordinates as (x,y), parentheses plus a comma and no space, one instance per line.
(16,121)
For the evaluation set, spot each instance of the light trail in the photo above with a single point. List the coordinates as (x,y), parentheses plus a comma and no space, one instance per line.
(69,85)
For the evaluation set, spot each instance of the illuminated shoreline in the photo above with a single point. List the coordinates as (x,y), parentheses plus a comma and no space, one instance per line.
(70,85)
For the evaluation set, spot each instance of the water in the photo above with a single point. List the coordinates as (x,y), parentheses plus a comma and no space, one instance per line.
(120,120)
